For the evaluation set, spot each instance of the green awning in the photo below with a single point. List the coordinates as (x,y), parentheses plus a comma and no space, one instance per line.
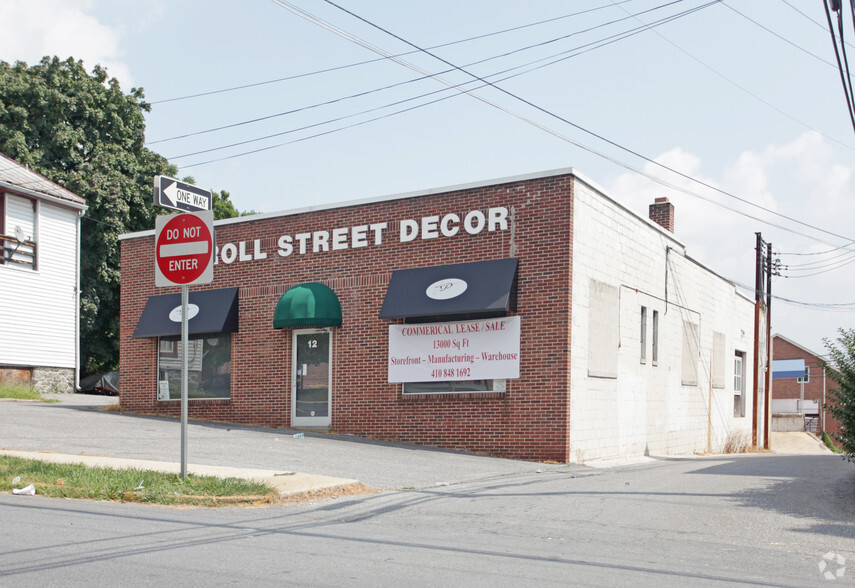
(308,305)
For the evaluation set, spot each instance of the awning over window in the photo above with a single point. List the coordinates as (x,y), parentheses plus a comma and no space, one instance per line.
(308,305)
(788,368)
(208,311)
(464,290)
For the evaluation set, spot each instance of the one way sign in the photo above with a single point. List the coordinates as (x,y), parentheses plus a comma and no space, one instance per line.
(170,193)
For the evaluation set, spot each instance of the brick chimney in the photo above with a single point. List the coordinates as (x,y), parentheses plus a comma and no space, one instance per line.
(661,212)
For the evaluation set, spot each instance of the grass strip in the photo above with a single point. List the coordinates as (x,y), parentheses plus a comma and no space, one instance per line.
(830,444)
(129,485)
(22,392)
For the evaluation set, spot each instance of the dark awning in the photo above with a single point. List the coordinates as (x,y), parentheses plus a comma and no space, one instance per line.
(209,311)
(308,305)
(464,290)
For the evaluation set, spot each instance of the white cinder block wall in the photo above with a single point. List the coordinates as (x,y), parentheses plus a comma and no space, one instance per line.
(646,408)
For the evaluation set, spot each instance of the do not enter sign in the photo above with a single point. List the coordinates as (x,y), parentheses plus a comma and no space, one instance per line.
(184,249)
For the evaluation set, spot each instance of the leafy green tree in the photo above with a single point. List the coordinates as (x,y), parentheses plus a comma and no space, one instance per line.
(841,371)
(79,130)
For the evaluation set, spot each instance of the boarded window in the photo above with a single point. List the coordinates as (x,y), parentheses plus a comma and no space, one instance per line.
(690,354)
(604,308)
(718,360)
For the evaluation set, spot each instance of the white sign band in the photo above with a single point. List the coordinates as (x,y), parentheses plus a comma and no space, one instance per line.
(487,349)
(190,248)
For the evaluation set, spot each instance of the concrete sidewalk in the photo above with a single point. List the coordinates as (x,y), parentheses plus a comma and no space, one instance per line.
(797,443)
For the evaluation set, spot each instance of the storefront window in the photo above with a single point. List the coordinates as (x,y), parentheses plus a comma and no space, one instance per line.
(448,387)
(208,367)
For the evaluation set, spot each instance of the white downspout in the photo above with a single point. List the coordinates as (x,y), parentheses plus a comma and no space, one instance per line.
(77,306)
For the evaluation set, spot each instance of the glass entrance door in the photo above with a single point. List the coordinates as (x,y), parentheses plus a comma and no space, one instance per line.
(311,371)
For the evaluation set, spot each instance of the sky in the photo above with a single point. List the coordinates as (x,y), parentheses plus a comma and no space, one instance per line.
(743,97)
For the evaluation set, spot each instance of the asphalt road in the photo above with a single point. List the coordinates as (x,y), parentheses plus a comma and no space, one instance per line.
(77,426)
(720,520)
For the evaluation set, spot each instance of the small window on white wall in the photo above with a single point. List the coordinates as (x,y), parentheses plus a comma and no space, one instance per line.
(739,384)
(603,312)
(643,340)
(655,348)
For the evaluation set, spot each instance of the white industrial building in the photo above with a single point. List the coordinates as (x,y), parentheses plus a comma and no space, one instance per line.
(662,348)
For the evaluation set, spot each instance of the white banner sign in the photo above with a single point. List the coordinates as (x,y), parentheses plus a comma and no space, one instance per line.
(487,349)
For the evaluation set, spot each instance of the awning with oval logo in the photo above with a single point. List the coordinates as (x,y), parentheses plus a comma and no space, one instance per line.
(479,289)
(308,305)
(208,311)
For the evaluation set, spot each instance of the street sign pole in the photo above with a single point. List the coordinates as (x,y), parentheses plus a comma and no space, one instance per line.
(184,255)
(184,297)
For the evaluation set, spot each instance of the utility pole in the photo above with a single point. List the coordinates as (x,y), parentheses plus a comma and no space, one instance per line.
(765,268)
(767,405)
(758,301)
(761,363)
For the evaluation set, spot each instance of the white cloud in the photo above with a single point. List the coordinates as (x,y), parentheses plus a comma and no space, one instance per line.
(65,28)
(801,179)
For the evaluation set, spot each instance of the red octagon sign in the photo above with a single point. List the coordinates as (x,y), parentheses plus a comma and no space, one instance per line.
(184,246)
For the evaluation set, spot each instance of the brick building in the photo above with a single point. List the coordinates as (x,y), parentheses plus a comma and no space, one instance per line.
(804,396)
(532,317)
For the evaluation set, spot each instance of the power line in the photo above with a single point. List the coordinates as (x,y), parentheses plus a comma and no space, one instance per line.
(819,263)
(847,89)
(823,306)
(549,60)
(360,63)
(771,32)
(819,252)
(543,110)
(819,269)
(744,89)
(817,23)
(424,77)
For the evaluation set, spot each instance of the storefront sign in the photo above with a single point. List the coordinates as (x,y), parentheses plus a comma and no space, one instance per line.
(368,235)
(487,349)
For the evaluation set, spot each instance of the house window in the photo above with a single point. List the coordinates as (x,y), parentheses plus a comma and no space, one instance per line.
(18,231)
(806,378)
(209,360)
(655,349)
(643,334)
(739,384)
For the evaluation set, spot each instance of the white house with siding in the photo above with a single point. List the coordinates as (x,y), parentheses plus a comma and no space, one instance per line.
(39,280)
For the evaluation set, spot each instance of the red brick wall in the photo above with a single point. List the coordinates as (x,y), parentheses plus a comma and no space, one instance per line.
(530,420)
(790,388)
